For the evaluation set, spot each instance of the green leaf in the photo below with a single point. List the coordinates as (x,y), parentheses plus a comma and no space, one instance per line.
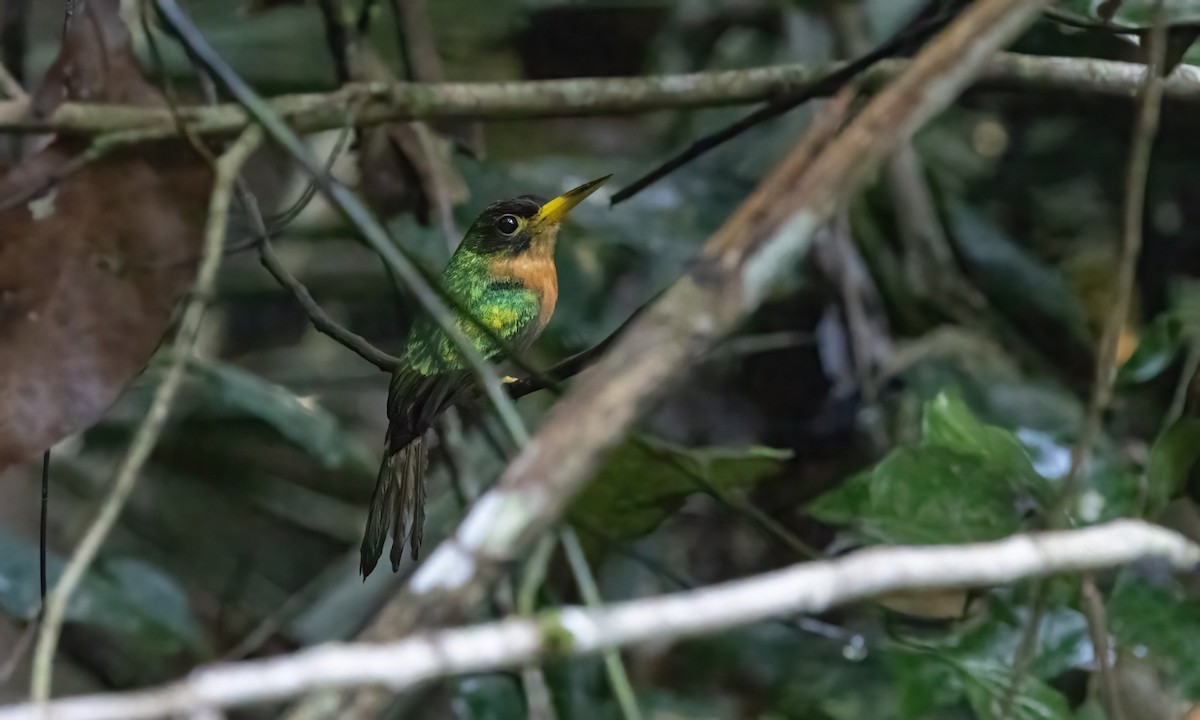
(1172,457)
(646,481)
(924,681)
(488,697)
(963,483)
(938,495)
(1133,13)
(1162,622)
(128,599)
(950,423)
(226,389)
(986,682)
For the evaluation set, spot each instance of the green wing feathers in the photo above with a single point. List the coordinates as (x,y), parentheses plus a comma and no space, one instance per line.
(433,378)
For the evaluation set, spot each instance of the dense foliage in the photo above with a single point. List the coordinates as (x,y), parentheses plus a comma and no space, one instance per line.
(919,378)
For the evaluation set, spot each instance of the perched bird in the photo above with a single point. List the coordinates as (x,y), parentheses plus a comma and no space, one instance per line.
(503,274)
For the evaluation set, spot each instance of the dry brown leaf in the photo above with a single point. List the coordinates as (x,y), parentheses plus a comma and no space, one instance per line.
(934,604)
(401,174)
(92,267)
(404,165)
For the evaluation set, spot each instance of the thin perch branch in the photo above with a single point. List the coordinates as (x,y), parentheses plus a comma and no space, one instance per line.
(577,97)
(317,315)
(148,432)
(804,588)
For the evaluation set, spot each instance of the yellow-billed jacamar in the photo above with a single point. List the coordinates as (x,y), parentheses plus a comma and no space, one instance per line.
(503,274)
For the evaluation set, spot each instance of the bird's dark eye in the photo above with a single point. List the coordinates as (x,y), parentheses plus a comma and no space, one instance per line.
(507,224)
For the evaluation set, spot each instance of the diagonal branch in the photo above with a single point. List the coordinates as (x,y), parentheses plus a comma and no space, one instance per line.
(518,641)
(770,231)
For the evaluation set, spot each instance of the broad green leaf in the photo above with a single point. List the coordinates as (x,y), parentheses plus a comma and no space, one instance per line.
(965,482)
(1172,457)
(1161,623)
(950,423)
(938,495)
(925,682)
(970,662)
(222,389)
(130,600)
(646,481)
(1133,13)
(986,682)
(1063,640)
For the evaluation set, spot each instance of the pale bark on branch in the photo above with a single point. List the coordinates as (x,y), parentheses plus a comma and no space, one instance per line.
(763,239)
(578,97)
(804,588)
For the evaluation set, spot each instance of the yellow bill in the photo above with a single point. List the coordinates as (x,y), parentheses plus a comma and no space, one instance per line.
(556,210)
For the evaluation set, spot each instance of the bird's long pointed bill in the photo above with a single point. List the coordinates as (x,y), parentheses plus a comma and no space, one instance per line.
(555,210)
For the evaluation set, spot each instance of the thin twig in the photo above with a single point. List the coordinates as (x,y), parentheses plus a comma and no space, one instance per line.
(807,587)
(1093,607)
(374,233)
(535,574)
(770,527)
(614,666)
(151,428)
(42,524)
(1191,364)
(321,319)
(909,35)
(1149,107)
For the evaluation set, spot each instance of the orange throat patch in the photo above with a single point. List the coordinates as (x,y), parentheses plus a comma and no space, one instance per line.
(535,271)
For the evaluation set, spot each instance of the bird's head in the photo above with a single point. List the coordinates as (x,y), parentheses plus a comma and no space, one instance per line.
(525,224)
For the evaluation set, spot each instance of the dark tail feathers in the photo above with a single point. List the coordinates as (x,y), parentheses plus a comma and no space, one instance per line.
(399,493)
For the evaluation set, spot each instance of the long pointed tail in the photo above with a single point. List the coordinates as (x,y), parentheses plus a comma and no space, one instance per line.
(399,494)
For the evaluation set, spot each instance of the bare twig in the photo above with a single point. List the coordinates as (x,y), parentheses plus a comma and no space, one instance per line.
(321,319)
(1142,145)
(910,35)
(1191,364)
(808,587)
(420,50)
(1145,129)
(148,432)
(1093,604)
(618,678)
(577,97)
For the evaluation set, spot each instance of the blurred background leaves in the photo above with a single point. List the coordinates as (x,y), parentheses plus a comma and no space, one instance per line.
(241,539)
